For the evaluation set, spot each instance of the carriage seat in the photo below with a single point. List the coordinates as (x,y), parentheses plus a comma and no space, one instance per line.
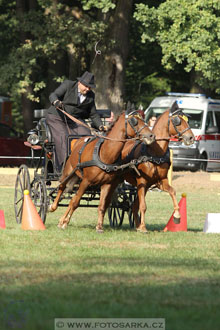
(40,113)
(42,127)
(44,130)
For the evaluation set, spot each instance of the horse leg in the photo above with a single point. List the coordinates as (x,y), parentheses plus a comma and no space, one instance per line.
(105,199)
(74,203)
(72,181)
(140,225)
(135,209)
(54,205)
(164,185)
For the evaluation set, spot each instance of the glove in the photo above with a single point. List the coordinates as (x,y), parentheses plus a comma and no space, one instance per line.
(58,104)
(102,128)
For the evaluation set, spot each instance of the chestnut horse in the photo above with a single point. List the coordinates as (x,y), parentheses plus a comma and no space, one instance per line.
(102,170)
(154,161)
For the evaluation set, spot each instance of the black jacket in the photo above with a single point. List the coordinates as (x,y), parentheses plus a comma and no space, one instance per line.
(67,92)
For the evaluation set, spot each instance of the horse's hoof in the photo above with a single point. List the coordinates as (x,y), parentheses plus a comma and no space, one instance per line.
(49,209)
(142,230)
(99,231)
(176,220)
(62,225)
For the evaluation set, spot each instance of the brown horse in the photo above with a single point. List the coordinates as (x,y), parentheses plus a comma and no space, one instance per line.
(94,162)
(154,161)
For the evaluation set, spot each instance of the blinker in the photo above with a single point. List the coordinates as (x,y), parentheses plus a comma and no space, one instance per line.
(176,120)
(133,121)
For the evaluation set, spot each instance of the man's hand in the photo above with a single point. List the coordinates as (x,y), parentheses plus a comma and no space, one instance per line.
(102,128)
(58,104)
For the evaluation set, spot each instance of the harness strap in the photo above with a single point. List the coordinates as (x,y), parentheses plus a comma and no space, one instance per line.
(145,156)
(158,160)
(96,161)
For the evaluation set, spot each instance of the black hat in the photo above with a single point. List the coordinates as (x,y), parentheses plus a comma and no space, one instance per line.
(87,79)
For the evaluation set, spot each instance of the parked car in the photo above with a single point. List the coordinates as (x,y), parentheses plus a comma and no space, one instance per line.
(204,120)
(12,145)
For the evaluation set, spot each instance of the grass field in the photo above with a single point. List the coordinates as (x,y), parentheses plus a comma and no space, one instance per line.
(78,273)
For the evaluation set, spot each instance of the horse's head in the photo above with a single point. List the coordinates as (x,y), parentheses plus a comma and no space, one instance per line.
(178,125)
(135,126)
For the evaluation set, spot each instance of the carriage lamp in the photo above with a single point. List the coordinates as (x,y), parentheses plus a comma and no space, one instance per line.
(33,138)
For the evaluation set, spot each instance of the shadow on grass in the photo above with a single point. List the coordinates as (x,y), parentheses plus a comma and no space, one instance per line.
(110,287)
(122,228)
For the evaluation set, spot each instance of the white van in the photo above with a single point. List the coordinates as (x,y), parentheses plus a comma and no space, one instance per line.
(204,120)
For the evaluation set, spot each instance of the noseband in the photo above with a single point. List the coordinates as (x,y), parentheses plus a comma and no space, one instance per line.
(176,121)
(133,122)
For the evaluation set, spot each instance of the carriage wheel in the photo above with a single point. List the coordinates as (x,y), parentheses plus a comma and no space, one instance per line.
(132,197)
(22,183)
(116,216)
(39,197)
(116,210)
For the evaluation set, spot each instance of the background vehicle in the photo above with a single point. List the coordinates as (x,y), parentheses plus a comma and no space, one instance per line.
(204,120)
(12,146)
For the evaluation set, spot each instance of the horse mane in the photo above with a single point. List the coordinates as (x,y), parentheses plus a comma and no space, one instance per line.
(138,115)
(109,128)
(168,110)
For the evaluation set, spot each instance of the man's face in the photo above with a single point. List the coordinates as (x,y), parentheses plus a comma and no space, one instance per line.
(83,89)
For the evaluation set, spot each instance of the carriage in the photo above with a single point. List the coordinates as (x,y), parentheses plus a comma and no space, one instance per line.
(43,185)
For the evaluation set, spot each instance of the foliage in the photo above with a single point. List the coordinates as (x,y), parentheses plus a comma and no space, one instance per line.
(187,34)
(145,75)
(42,36)
(104,5)
(63,33)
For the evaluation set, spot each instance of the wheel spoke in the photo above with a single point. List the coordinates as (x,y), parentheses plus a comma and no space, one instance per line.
(22,183)
(39,197)
(116,216)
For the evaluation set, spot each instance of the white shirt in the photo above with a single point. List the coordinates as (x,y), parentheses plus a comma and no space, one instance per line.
(81,97)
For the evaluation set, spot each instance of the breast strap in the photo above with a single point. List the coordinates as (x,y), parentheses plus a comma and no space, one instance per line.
(145,156)
(96,161)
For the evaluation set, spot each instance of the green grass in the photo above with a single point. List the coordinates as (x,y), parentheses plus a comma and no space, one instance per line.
(78,273)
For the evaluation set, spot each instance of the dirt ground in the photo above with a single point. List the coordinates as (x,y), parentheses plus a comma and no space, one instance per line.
(181,180)
(8,175)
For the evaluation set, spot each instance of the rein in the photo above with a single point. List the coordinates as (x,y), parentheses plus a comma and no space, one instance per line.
(105,137)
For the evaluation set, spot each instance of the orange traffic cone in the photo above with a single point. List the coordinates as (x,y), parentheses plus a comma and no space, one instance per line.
(30,218)
(2,219)
(182,226)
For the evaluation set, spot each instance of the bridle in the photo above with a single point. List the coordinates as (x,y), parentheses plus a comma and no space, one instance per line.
(175,118)
(133,122)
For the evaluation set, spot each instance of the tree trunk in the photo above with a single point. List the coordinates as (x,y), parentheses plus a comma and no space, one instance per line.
(109,67)
(23,6)
(194,86)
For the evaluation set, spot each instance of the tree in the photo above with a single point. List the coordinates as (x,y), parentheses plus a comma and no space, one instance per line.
(54,37)
(109,68)
(188,35)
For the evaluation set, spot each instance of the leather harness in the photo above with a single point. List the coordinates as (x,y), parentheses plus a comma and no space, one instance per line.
(128,162)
